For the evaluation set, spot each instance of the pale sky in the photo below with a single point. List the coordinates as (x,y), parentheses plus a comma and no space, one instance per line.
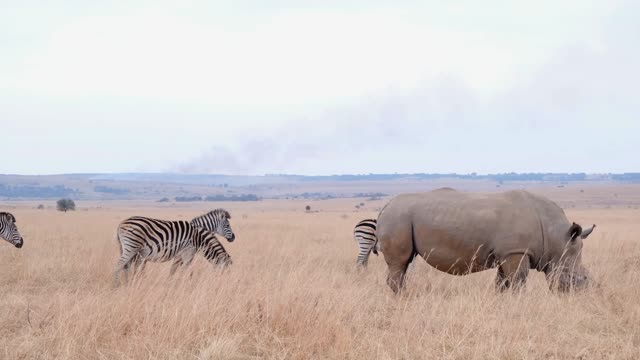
(242,87)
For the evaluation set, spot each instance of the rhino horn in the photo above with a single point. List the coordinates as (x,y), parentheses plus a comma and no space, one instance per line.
(588,231)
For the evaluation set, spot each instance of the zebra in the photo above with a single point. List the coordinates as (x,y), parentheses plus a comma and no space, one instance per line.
(216,221)
(143,239)
(9,230)
(365,235)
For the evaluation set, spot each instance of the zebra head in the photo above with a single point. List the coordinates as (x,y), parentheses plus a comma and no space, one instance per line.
(9,230)
(216,221)
(223,260)
(213,249)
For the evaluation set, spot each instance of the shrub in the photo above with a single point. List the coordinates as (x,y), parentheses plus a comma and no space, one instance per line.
(65,205)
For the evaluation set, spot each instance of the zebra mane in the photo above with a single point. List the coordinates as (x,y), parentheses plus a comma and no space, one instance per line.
(8,215)
(220,212)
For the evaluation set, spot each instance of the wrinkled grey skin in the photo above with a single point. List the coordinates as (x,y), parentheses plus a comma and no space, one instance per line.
(462,233)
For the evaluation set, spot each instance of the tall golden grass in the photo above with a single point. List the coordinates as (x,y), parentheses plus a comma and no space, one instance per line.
(293,292)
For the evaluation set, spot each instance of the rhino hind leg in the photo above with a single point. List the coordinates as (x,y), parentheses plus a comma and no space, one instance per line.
(395,279)
(395,239)
(397,273)
(513,272)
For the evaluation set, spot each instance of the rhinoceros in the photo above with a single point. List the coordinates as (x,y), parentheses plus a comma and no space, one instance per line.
(461,233)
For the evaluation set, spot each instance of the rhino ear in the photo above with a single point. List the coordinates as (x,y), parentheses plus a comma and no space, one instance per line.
(574,231)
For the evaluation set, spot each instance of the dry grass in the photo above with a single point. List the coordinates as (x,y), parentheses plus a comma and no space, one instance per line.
(293,292)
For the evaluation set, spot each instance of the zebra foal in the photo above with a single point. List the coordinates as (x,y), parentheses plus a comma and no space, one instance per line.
(365,235)
(144,239)
(9,230)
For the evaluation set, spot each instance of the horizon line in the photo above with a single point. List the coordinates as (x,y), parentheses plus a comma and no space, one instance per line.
(472,174)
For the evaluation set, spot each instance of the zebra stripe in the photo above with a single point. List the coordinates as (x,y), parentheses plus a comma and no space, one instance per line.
(144,239)
(9,230)
(216,221)
(365,235)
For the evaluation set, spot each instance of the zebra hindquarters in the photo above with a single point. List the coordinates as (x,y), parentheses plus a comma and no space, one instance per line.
(364,234)
(129,254)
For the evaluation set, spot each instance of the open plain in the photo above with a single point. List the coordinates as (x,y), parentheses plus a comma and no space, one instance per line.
(293,291)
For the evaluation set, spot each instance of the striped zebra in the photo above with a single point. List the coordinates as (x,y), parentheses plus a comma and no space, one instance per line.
(365,235)
(144,239)
(9,230)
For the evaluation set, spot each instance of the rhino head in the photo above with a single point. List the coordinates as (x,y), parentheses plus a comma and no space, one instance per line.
(565,270)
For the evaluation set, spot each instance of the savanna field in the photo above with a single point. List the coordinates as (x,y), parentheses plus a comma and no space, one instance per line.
(294,292)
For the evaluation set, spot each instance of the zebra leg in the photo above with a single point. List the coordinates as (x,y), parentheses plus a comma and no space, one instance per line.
(363,255)
(361,261)
(137,265)
(187,259)
(123,266)
(176,264)
(184,257)
(366,258)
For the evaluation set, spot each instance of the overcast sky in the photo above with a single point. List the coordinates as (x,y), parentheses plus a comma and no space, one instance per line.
(242,87)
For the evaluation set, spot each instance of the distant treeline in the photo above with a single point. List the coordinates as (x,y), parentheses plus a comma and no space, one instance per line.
(328,196)
(315,195)
(243,197)
(632,177)
(32,191)
(473,176)
(110,190)
(374,194)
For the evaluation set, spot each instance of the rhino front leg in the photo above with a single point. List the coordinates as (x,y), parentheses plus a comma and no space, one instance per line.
(513,272)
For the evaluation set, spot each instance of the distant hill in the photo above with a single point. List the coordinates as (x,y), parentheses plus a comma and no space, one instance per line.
(251,188)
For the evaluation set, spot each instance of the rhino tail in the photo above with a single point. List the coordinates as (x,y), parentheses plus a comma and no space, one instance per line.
(413,244)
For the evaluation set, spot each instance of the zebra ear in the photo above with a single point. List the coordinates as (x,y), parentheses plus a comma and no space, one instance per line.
(9,216)
(226,213)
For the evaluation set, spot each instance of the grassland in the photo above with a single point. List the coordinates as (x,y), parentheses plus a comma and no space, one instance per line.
(294,292)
